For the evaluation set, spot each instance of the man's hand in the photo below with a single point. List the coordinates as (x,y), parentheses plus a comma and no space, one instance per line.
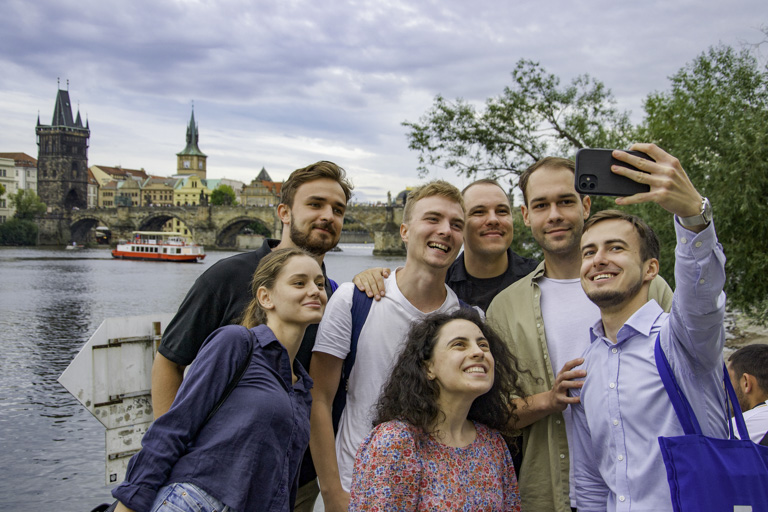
(670,186)
(558,395)
(371,281)
(535,407)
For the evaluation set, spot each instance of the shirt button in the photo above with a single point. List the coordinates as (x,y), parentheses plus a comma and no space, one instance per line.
(557,422)
(562,455)
(612,385)
(698,244)
(622,498)
(701,281)
(615,422)
(545,356)
(683,240)
(614,350)
(621,457)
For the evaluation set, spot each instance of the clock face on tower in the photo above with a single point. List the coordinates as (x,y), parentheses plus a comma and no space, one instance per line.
(186,164)
(200,165)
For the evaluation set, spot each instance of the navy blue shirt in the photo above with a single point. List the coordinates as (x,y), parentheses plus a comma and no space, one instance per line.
(248,454)
(480,292)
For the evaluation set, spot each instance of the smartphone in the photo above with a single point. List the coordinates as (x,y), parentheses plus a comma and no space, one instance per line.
(594,176)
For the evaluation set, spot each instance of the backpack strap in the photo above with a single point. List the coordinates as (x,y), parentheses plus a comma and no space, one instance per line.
(333,284)
(361,305)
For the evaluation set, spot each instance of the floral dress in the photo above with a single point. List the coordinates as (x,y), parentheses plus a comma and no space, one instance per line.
(399,469)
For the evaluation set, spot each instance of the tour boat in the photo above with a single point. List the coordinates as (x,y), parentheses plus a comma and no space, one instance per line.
(158,245)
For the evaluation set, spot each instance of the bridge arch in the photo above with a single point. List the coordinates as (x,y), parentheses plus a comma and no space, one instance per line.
(80,230)
(226,237)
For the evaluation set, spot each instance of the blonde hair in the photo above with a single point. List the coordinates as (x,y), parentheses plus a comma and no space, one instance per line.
(433,188)
(265,275)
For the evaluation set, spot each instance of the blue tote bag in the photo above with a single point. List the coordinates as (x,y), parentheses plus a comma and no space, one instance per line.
(710,474)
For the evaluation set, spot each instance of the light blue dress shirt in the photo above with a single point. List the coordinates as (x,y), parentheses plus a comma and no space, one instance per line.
(624,407)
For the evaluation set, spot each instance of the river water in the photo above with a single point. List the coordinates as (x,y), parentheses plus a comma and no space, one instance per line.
(51,301)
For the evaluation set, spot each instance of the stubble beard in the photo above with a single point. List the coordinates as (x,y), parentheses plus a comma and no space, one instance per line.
(607,299)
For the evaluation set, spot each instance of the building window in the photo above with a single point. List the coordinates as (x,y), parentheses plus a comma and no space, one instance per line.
(186,164)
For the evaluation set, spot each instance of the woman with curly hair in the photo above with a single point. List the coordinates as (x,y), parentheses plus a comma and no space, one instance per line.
(436,443)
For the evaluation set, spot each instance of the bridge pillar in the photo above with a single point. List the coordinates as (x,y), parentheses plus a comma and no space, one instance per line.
(53,229)
(387,240)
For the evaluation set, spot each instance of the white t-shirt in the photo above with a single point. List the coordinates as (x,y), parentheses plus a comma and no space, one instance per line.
(757,422)
(568,314)
(379,345)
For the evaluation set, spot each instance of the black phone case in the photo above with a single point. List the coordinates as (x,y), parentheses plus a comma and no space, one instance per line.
(594,176)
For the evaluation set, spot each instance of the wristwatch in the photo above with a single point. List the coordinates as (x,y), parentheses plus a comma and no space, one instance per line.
(705,217)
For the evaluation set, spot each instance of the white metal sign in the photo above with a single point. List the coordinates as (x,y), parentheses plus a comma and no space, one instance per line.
(111,377)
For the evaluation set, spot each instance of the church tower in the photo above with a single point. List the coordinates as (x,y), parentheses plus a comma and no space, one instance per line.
(191,161)
(62,158)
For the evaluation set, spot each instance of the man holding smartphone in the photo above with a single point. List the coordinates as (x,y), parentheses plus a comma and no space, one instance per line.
(622,406)
(545,318)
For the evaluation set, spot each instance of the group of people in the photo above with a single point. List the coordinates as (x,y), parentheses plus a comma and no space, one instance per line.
(449,367)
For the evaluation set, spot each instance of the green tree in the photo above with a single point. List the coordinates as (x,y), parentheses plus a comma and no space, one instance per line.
(715,120)
(223,196)
(18,232)
(28,205)
(533,118)
(2,190)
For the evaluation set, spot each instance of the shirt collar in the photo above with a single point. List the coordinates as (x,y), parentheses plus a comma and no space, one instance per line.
(538,273)
(641,322)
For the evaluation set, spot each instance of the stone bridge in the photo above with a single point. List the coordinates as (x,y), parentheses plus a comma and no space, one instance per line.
(212,226)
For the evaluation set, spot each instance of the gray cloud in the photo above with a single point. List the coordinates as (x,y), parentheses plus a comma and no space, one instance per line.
(279,84)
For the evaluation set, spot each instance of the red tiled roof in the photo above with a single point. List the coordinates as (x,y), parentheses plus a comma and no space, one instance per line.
(20,159)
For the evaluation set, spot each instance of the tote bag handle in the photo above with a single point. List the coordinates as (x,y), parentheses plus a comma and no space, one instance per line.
(681,405)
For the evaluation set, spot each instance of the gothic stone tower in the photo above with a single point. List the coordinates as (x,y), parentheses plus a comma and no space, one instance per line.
(62,159)
(191,161)
(62,164)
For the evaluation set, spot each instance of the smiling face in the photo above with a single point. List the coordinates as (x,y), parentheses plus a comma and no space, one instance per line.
(461,362)
(613,272)
(433,234)
(298,295)
(316,217)
(488,228)
(555,212)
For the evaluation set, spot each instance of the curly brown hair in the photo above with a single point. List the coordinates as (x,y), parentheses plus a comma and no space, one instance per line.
(410,396)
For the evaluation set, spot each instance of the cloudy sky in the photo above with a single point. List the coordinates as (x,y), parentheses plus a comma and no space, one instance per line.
(282,84)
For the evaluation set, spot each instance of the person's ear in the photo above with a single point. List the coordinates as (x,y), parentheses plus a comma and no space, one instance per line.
(264,298)
(651,270)
(284,212)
